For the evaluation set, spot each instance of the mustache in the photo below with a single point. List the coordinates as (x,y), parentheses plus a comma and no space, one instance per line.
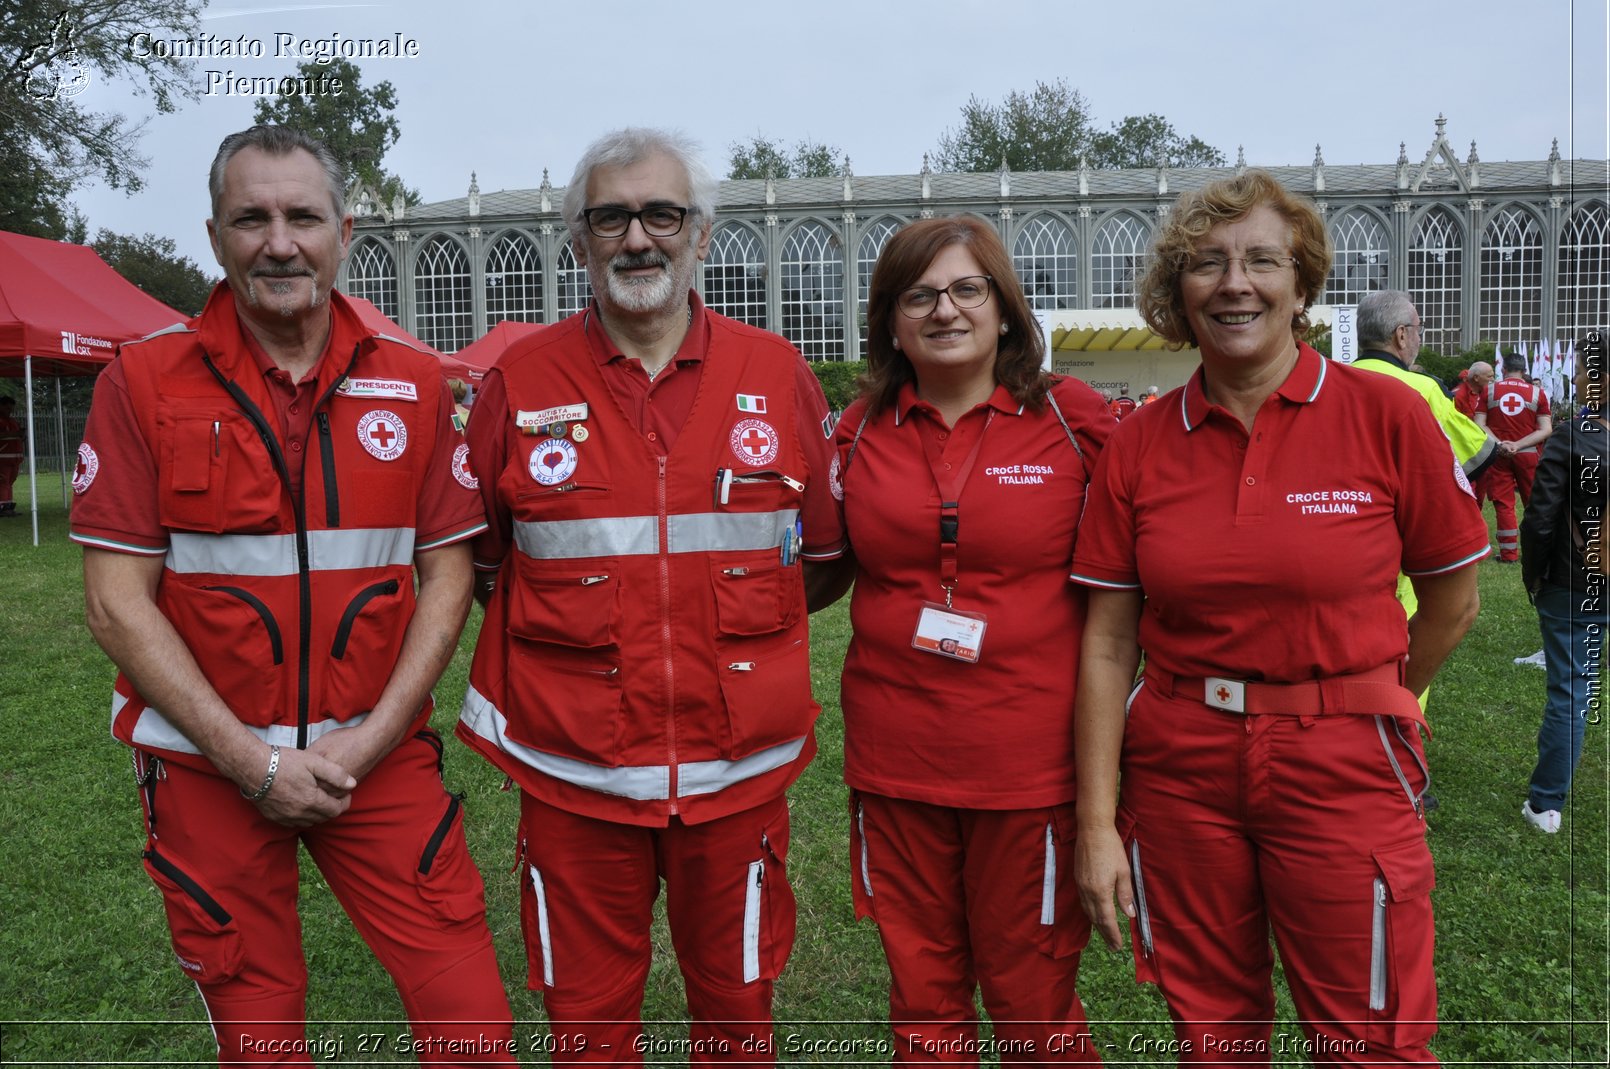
(631,261)
(282,271)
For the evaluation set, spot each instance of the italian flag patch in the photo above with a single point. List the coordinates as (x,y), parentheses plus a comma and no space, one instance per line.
(751,402)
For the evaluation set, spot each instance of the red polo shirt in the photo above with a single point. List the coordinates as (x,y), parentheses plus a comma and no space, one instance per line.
(998,733)
(659,407)
(1274,556)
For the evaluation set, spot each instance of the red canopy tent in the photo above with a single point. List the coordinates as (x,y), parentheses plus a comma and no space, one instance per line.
(380,323)
(64,311)
(490,347)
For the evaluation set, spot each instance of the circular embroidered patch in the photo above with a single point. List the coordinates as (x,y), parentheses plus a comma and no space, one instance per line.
(382,433)
(88,465)
(462,470)
(835,479)
(754,442)
(552,461)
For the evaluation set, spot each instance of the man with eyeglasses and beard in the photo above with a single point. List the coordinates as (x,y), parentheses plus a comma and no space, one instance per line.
(657,478)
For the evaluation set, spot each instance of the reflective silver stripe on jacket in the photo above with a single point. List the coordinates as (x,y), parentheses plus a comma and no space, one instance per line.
(274,555)
(643,783)
(152,729)
(624,536)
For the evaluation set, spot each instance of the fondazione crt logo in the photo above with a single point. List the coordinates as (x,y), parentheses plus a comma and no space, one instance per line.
(54,70)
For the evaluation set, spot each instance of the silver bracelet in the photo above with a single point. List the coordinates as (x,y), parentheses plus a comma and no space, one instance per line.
(268,780)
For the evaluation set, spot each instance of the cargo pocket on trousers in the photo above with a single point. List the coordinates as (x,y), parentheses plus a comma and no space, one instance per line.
(1142,945)
(206,940)
(448,880)
(768,922)
(1402,986)
(1064,928)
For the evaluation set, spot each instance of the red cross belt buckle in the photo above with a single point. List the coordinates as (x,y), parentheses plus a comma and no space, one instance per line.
(1227,694)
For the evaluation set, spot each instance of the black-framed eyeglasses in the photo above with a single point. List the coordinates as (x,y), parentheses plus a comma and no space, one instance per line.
(919,302)
(1214,266)
(660,221)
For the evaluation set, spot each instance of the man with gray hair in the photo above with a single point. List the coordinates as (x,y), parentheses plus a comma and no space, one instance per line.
(1389,339)
(657,479)
(258,491)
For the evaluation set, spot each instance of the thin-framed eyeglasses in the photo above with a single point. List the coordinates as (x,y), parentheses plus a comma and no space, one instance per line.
(1213,266)
(659,221)
(919,302)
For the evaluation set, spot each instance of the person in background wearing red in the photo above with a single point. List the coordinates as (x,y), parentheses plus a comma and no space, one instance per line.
(1271,770)
(1124,404)
(10,455)
(1517,414)
(962,470)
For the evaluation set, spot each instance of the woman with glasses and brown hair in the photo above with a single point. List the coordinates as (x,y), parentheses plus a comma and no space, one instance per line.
(962,470)
(1246,532)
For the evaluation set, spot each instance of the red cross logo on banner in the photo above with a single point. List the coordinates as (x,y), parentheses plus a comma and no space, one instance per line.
(754,442)
(383,434)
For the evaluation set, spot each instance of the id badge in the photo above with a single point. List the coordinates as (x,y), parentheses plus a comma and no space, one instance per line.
(949,632)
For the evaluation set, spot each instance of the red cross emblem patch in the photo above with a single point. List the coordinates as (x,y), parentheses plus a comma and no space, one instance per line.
(1511,404)
(383,434)
(84,471)
(754,442)
(462,470)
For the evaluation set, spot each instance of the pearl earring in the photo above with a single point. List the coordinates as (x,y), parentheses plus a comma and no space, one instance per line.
(1004,328)
(895,342)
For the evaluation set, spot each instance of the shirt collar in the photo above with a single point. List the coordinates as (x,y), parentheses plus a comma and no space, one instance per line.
(1384,357)
(694,343)
(1302,386)
(1001,400)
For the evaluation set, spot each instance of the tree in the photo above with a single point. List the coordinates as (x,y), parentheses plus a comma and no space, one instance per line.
(1045,129)
(47,57)
(357,124)
(154,265)
(761,157)
(1145,141)
(1050,129)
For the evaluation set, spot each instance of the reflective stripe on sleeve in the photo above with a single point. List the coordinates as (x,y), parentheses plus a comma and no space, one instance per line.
(153,730)
(643,783)
(275,555)
(624,536)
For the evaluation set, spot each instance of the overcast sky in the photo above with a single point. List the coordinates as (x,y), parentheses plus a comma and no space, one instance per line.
(506,88)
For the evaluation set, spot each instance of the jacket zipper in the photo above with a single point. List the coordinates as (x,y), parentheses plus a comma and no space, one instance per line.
(275,640)
(332,499)
(338,648)
(665,626)
(304,575)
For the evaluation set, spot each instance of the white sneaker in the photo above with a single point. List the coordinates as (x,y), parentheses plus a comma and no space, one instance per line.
(1548,821)
(1536,660)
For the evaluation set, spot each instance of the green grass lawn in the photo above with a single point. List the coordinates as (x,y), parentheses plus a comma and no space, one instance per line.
(87,975)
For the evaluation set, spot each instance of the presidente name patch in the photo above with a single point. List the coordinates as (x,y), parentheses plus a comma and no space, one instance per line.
(396,389)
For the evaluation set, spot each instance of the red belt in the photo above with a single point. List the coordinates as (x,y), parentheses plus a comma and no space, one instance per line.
(1377,692)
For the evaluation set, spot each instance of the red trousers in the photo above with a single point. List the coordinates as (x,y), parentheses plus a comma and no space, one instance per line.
(1236,825)
(968,900)
(587,907)
(397,862)
(1505,477)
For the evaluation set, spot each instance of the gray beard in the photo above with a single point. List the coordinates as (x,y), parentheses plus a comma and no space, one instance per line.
(653,294)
